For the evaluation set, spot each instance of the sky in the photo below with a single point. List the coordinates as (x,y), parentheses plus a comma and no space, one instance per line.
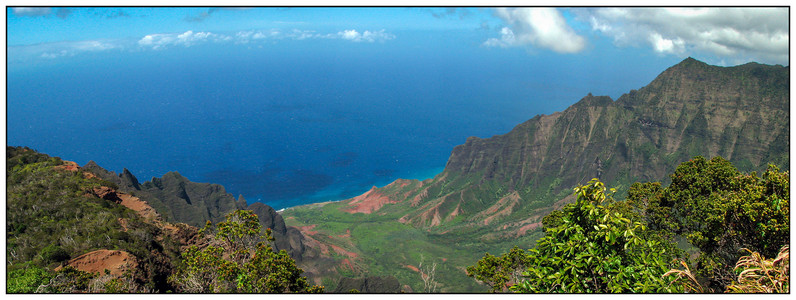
(722,36)
(295,105)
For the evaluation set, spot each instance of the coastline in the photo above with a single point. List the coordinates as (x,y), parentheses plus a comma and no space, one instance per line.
(419,175)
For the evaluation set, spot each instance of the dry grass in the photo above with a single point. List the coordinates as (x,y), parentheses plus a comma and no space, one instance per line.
(686,278)
(756,275)
(760,275)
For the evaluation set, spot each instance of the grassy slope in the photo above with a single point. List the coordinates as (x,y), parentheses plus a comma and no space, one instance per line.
(384,246)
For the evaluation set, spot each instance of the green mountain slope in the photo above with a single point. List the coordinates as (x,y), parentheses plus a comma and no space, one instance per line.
(70,231)
(57,214)
(494,192)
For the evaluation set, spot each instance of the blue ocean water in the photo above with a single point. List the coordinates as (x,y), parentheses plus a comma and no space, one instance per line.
(286,124)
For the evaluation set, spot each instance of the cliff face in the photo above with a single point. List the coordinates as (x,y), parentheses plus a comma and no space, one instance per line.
(178,199)
(494,192)
(740,113)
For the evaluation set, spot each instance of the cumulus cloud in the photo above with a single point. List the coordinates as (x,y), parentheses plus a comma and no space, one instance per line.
(158,41)
(298,34)
(506,39)
(244,37)
(187,39)
(760,34)
(542,27)
(251,36)
(366,36)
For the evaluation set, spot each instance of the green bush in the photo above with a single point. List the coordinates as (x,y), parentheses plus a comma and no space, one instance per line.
(720,211)
(243,263)
(27,280)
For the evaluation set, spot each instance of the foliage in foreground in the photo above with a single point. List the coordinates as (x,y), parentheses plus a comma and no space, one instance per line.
(755,274)
(720,211)
(500,272)
(597,245)
(759,275)
(239,260)
(27,280)
(593,249)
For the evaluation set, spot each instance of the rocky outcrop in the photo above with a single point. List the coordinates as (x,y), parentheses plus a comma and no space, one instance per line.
(178,199)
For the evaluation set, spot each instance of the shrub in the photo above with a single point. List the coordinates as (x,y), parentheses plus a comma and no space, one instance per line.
(27,280)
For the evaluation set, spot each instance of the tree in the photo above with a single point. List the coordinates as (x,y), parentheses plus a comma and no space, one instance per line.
(428,275)
(720,211)
(596,249)
(239,259)
(500,272)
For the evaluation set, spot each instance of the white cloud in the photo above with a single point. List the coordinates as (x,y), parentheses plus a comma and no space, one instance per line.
(506,39)
(187,39)
(542,27)
(31,11)
(72,48)
(157,41)
(249,36)
(366,36)
(26,53)
(664,45)
(190,38)
(737,34)
(298,34)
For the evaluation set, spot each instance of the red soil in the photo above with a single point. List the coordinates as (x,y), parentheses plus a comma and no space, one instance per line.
(347,263)
(342,251)
(69,166)
(419,197)
(115,261)
(522,230)
(413,268)
(307,230)
(368,202)
(346,235)
(141,207)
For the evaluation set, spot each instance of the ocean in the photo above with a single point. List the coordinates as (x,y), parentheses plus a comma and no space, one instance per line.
(286,124)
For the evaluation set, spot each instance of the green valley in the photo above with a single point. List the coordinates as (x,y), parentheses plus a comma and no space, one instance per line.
(494,193)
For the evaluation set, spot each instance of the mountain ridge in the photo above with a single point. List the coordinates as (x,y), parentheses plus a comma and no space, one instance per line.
(499,188)
(178,199)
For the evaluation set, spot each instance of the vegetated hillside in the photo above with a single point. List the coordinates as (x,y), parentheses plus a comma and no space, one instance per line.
(194,203)
(494,192)
(58,215)
(69,231)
